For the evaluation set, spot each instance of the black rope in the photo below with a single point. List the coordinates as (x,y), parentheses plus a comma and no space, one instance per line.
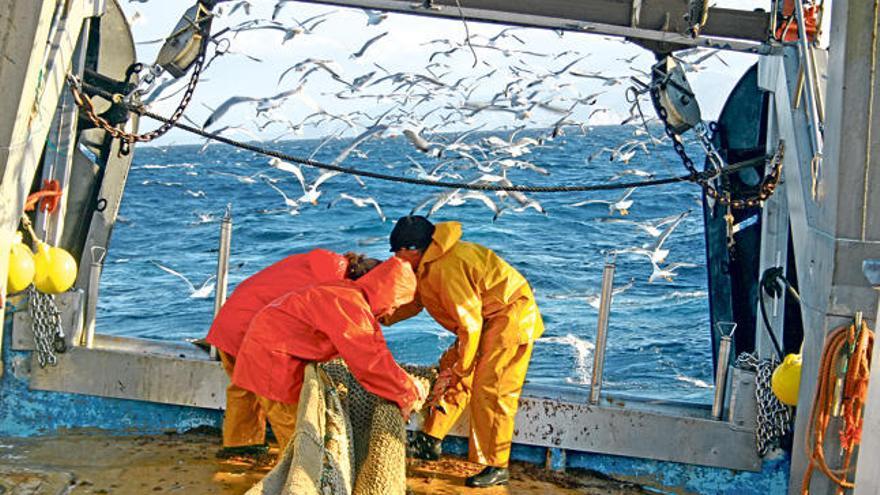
(692,177)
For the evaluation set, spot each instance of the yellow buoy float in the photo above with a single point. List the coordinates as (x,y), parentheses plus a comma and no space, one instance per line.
(55,269)
(21,266)
(786,379)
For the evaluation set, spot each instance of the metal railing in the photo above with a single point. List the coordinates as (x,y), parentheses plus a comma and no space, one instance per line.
(723,360)
(602,332)
(222,265)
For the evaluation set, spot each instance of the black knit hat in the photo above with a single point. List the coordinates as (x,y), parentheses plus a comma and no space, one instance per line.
(412,231)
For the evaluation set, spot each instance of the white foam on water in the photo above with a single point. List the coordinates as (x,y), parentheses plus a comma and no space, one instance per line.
(688,294)
(168,165)
(583,350)
(204,218)
(693,381)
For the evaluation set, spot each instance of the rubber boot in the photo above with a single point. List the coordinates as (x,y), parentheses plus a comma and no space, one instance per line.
(253,452)
(424,446)
(489,476)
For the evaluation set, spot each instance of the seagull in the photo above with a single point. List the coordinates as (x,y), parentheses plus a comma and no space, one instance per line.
(655,251)
(293,205)
(432,174)
(360,203)
(594,299)
(668,272)
(631,171)
(310,192)
(226,129)
(520,164)
(422,144)
(651,227)
(621,204)
(263,104)
(202,292)
(360,53)
(327,65)
(460,199)
(375,17)
(244,179)
(439,200)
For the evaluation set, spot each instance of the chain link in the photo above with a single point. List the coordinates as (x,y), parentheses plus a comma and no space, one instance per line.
(46,325)
(765,189)
(83,101)
(774,417)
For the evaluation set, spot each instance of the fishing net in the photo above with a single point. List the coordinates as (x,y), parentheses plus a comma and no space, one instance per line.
(347,440)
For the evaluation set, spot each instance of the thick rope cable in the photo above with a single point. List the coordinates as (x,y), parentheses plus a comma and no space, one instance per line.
(692,177)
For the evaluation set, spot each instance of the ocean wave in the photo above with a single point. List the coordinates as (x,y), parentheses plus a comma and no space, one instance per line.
(582,349)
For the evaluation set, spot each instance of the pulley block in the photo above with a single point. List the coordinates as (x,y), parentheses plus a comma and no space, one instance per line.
(182,47)
(672,96)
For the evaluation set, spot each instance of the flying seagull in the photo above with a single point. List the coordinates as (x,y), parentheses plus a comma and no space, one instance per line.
(202,292)
(360,53)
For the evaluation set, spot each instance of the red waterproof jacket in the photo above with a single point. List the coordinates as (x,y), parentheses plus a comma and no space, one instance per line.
(324,322)
(254,293)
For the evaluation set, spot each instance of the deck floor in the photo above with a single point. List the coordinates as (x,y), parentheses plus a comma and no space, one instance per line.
(98,463)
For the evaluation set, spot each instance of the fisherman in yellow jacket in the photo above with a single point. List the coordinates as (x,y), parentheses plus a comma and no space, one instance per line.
(489,306)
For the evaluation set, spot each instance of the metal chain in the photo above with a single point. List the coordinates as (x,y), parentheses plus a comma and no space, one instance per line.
(765,189)
(46,325)
(83,101)
(774,417)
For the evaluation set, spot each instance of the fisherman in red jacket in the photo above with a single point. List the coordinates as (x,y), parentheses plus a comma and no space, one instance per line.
(323,322)
(244,424)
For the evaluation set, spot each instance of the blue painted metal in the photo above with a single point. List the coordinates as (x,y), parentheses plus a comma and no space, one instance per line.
(25,412)
(556,459)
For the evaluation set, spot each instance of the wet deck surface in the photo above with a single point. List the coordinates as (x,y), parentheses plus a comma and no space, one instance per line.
(83,463)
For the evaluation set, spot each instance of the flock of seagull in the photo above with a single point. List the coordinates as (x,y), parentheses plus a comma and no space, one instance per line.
(425,105)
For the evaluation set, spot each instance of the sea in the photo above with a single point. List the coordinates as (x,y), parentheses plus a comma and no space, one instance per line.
(658,337)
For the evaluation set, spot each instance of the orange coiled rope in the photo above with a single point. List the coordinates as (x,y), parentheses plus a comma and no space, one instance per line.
(848,350)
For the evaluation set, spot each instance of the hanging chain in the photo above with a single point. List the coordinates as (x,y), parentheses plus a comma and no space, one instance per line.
(46,324)
(765,189)
(83,101)
(774,417)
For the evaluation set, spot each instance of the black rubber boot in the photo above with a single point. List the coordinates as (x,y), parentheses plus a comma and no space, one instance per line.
(425,447)
(255,452)
(489,476)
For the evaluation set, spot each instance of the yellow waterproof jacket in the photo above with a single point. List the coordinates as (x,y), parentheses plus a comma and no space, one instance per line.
(472,292)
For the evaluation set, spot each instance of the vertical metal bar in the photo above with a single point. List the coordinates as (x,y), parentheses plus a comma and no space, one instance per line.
(721,376)
(810,77)
(222,265)
(87,339)
(60,147)
(602,332)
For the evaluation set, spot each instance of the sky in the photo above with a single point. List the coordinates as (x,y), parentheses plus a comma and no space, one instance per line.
(407,47)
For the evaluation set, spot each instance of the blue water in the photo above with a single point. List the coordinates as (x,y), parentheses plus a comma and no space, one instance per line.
(658,344)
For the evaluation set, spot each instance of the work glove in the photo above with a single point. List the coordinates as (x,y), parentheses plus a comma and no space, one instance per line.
(415,405)
(444,380)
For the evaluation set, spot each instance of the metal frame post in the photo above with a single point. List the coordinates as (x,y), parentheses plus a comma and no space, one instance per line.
(721,376)
(602,332)
(222,265)
(87,339)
